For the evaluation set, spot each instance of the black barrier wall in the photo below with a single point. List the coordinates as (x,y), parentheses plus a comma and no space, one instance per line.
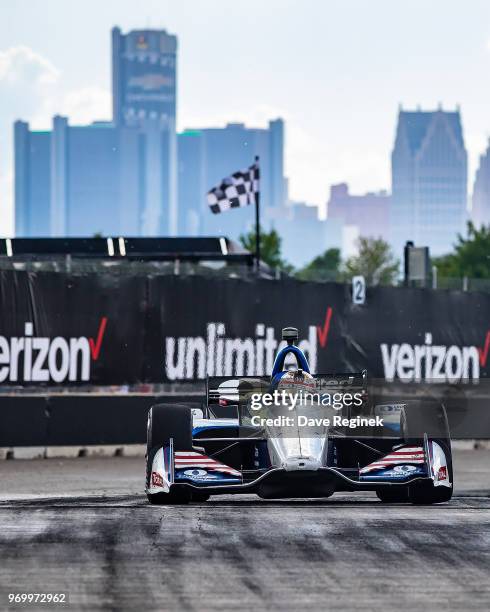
(100,329)
(77,421)
(58,330)
(84,420)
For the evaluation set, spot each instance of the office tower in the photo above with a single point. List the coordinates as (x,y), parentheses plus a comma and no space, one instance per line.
(429,180)
(144,76)
(369,212)
(144,72)
(480,212)
(78,181)
(32,181)
(304,235)
(206,156)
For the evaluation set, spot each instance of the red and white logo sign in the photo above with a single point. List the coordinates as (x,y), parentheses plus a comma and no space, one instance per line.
(32,358)
(442,473)
(156,479)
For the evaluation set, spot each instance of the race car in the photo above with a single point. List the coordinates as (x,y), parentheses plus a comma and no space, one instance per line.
(298,435)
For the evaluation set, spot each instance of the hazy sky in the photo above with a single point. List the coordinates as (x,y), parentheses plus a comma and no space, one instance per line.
(335,70)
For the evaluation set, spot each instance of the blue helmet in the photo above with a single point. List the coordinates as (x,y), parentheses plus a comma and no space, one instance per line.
(290,334)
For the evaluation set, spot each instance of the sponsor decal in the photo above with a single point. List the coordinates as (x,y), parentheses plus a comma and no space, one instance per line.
(442,473)
(197,462)
(483,352)
(323,331)
(404,469)
(198,474)
(431,362)
(399,457)
(40,359)
(195,472)
(151,81)
(395,472)
(156,479)
(216,355)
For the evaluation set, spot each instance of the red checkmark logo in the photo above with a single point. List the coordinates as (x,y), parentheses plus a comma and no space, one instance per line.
(95,346)
(323,331)
(483,352)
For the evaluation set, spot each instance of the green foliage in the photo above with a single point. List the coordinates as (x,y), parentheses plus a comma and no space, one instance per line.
(375,262)
(471,255)
(324,267)
(270,248)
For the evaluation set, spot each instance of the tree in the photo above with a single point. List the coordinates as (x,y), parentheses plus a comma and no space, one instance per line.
(375,262)
(323,267)
(270,248)
(471,255)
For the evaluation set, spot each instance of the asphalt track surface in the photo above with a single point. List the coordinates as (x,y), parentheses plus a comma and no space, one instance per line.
(82,527)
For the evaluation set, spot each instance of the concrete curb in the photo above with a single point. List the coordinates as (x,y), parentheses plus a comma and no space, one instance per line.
(72,452)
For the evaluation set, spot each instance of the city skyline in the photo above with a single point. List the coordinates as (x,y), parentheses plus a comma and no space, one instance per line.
(135,175)
(323,145)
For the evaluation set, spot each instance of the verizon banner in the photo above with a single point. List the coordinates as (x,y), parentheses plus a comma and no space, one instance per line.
(111,330)
(80,330)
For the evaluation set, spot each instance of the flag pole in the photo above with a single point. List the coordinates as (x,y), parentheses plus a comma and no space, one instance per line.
(257,223)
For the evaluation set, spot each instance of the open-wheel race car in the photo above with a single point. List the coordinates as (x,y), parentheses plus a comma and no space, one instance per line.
(295,435)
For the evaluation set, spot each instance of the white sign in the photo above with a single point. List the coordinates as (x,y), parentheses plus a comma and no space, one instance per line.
(358,290)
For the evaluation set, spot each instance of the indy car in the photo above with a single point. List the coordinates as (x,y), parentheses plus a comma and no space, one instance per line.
(253,435)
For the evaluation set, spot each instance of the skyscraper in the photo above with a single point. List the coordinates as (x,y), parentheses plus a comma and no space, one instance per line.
(208,155)
(429,180)
(32,181)
(144,72)
(78,180)
(480,212)
(369,212)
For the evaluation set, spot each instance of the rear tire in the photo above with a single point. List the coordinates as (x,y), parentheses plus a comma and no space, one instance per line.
(167,421)
(427,417)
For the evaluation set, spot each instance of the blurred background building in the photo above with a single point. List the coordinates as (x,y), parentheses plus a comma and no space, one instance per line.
(208,155)
(304,235)
(429,180)
(134,175)
(369,213)
(480,212)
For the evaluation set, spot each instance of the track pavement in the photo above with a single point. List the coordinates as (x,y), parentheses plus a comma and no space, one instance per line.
(84,528)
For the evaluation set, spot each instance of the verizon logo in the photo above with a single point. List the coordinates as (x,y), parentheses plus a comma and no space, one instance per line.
(39,359)
(431,362)
(216,355)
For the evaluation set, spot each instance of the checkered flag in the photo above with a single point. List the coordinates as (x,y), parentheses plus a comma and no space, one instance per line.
(239,189)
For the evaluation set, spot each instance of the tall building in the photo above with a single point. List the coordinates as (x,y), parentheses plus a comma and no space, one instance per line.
(78,181)
(32,181)
(208,155)
(429,180)
(480,212)
(370,212)
(116,177)
(144,72)
(304,236)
